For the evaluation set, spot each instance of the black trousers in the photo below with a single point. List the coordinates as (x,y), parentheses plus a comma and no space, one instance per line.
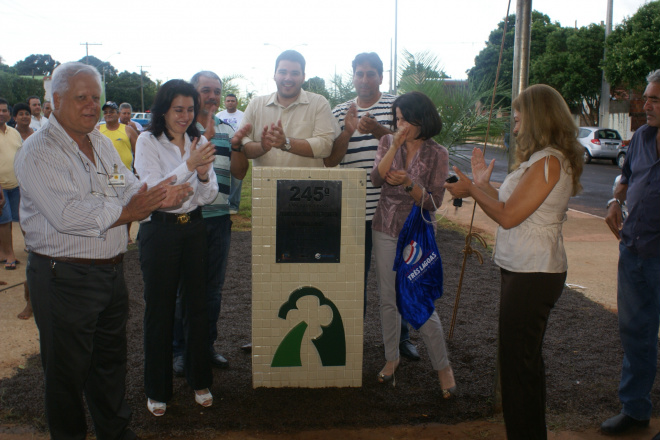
(173,255)
(525,303)
(81,312)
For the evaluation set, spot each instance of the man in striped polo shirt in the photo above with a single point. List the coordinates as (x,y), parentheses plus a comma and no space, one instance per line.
(363,121)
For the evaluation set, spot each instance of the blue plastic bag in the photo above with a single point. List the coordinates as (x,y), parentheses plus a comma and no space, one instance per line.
(418,268)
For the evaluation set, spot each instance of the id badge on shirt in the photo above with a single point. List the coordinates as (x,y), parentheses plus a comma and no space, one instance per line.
(116,179)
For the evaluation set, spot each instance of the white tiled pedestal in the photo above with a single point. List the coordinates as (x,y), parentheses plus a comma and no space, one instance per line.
(275,286)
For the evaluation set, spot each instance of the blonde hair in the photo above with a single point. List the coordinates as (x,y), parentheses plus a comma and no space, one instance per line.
(545,121)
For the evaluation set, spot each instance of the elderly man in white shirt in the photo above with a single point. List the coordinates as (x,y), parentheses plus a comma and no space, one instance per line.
(76,198)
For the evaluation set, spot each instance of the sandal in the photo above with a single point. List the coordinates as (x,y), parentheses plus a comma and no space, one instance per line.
(11,265)
(449,392)
(156,408)
(204,399)
(386,378)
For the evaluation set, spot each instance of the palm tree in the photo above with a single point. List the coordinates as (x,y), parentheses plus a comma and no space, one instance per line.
(464,106)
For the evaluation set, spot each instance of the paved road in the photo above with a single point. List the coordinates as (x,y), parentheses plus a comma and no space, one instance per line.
(597,179)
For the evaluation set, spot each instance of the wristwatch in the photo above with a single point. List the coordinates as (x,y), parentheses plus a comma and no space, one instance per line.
(239,149)
(615,200)
(287,145)
(409,187)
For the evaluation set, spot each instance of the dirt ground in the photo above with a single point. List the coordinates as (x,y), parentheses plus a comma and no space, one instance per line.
(582,352)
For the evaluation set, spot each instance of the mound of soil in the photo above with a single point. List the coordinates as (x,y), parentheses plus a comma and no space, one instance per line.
(582,353)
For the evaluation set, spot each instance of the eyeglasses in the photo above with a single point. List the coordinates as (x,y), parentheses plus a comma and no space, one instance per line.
(88,168)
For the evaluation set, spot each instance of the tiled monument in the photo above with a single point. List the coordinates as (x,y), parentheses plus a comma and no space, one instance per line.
(307,276)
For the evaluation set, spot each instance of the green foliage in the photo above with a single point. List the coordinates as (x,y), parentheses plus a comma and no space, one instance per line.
(15,88)
(485,63)
(342,90)
(125,87)
(316,85)
(633,48)
(105,68)
(571,64)
(463,106)
(36,65)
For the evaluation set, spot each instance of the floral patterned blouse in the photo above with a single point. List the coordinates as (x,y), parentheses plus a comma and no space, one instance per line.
(428,169)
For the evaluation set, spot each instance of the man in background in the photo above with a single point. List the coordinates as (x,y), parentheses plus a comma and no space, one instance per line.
(233,116)
(38,121)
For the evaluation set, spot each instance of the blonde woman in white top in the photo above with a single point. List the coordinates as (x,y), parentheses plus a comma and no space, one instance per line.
(530,208)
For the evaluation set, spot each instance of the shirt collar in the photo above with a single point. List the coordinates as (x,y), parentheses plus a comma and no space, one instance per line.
(301,99)
(53,124)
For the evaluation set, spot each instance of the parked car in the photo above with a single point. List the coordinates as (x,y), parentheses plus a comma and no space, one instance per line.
(600,143)
(621,156)
(141,118)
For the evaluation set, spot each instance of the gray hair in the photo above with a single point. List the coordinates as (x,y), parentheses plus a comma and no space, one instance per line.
(124,105)
(206,73)
(64,72)
(653,77)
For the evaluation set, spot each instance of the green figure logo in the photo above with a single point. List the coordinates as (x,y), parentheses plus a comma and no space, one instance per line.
(331,344)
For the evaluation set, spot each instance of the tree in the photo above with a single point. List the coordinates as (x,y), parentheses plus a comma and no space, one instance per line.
(571,64)
(125,87)
(36,65)
(485,63)
(632,48)
(460,104)
(16,88)
(106,69)
(316,85)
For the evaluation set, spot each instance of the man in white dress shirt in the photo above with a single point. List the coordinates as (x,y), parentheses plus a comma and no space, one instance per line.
(76,198)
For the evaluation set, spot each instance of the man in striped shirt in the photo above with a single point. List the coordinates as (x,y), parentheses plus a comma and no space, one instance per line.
(363,121)
(76,197)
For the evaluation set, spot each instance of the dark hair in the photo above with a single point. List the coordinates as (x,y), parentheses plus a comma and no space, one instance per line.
(4,101)
(163,101)
(418,110)
(230,94)
(291,55)
(370,58)
(33,97)
(18,107)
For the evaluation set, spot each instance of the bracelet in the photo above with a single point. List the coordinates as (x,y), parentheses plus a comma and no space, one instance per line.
(615,200)
(203,180)
(239,149)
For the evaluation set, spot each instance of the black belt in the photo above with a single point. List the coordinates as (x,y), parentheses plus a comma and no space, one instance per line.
(179,219)
(88,261)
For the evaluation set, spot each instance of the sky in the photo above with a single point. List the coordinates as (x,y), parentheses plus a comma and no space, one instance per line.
(174,39)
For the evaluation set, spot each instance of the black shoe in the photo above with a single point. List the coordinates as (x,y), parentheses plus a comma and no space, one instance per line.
(247,347)
(656,437)
(177,366)
(408,350)
(218,360)
(621,423)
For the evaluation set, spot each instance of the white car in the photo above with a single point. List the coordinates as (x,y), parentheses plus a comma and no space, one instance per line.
(600,143)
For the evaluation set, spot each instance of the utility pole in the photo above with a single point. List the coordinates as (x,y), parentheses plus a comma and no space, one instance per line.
(86,44)
(603,117)
(142,86)
(520,80)
(396,22)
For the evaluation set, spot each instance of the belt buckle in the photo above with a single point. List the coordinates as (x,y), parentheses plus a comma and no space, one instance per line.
(182,219)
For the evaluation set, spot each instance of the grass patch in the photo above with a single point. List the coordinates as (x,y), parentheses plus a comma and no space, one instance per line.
(243,220)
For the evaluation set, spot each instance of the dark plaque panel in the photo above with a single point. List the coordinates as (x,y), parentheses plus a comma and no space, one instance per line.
(308,221)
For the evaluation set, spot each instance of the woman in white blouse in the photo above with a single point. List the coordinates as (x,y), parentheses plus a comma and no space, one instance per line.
(172,244)
(530,208)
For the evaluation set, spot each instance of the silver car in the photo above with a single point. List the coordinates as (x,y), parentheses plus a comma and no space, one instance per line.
(600,143)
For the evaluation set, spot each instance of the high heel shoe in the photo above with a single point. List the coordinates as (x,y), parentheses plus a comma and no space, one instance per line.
(386,378)
(205,399)
(450,391)
(156,408)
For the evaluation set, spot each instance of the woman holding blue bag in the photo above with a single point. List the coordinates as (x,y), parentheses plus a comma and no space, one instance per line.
(411,168)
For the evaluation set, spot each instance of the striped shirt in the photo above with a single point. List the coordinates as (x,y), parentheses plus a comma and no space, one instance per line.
(222,141)
(67,206)
(362,148)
